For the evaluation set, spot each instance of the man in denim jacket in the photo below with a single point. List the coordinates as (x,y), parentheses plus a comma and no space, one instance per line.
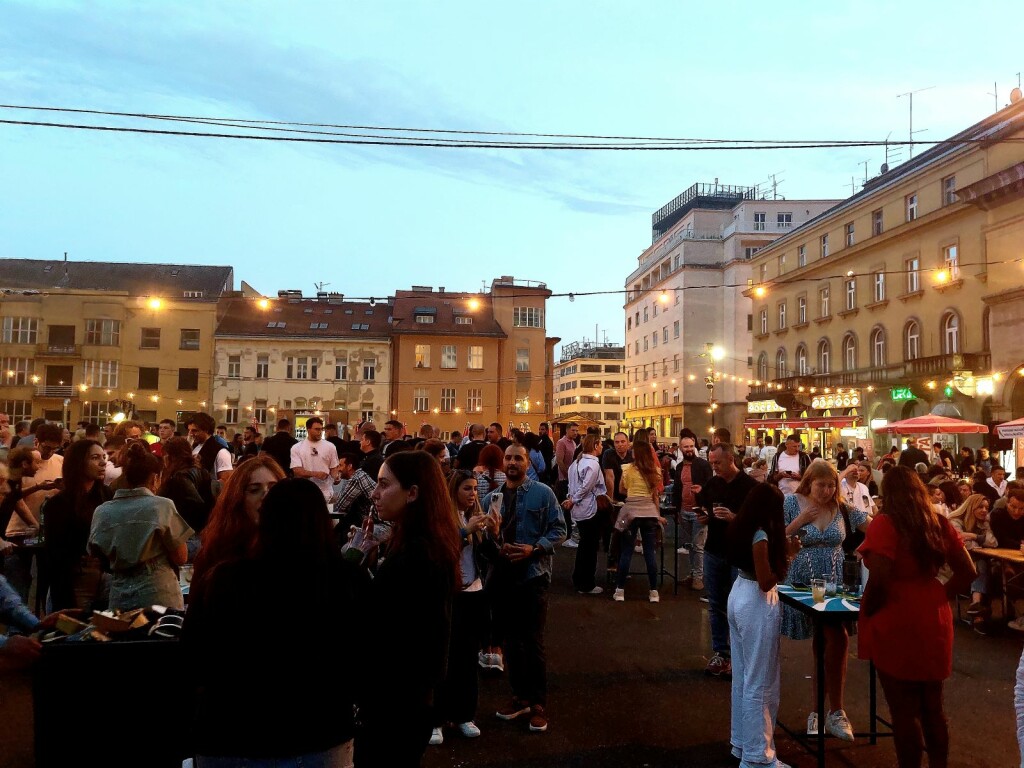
(520,543)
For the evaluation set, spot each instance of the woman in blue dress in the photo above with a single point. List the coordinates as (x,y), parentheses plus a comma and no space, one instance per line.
(813,512)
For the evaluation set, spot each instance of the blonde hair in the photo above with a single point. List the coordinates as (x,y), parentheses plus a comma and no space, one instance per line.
(967,511)
(819,469)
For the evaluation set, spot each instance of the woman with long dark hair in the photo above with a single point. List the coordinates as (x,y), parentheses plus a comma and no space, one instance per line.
(642,484)
(231,531)
(277,698)
(141,537)
(408,617)
(906,626)
(188,485)
(758,549)
(76,578)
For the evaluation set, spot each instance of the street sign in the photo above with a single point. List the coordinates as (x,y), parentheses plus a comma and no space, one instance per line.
(902,393)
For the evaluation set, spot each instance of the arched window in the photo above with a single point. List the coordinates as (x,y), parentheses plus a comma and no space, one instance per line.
(762,366)
(912,340)
(950,333)
(849,352)
(781,370)
(801,361)
(824,356)
(878,347)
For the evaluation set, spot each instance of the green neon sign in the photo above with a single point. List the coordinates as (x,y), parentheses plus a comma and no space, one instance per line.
(902,393)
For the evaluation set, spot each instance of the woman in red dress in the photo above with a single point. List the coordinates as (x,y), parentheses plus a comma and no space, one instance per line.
(906,626)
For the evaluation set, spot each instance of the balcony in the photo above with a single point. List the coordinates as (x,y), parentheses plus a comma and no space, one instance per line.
(752,227)
(944,365)
(58,350)
(54,390)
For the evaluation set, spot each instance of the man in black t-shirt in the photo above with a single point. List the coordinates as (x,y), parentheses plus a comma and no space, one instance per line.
(279,445)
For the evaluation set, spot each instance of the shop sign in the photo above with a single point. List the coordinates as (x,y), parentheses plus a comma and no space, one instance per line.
(764,406)
(845,400)
(902,393)
(877,424)
(861,433)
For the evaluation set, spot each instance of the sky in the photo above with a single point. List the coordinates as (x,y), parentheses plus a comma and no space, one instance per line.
(366,221)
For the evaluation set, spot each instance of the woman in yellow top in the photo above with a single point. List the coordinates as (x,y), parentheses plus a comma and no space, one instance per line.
(642,484)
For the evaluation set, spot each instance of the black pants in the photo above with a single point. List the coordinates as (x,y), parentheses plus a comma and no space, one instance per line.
(586,554)
(457,695)
(392,735)
(521,611)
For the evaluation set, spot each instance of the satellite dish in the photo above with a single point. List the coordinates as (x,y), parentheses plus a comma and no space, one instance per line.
(885,167)
(1015,95)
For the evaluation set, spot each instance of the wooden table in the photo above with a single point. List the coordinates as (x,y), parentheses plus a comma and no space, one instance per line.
(834,610)
(1002,558)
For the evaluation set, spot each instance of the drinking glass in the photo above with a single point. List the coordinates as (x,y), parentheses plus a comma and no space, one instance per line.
(830,583)
(818,590)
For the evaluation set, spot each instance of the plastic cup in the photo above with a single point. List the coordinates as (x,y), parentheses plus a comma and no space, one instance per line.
(818,590)
(831,586)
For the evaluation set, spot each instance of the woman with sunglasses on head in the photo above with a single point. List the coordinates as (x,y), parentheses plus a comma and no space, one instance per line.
(457,695)
(408,618)
(263,638)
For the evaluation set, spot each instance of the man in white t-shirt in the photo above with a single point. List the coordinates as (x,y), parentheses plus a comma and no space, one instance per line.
(855,492)
(316,459)
(51,468)
(787,466)
(769,450)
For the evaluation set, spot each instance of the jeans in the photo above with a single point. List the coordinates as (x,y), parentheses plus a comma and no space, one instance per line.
(698,535)
(648,535)
(586,554)
(980,584)
(521,611)
(18,571)
(336,757)
(718,579)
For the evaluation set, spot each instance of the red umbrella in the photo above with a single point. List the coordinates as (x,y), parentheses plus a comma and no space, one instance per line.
(929,425)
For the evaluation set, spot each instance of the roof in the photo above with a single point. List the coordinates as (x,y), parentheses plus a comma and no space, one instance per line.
(304,318)
(163,280)
(443,308)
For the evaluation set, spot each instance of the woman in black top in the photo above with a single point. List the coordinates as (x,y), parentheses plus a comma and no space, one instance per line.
(188,486)
(408,617)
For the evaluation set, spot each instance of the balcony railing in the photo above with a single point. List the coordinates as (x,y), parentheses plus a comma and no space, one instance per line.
(943,365)
(59,350)
(53,390)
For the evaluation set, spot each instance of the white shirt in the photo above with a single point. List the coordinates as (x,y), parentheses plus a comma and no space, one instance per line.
(221,462)
(319,456)
(51,469)
(789,463)
(856,496)
(1000,489)
(768,453)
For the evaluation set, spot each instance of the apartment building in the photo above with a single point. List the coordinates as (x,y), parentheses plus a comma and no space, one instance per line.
(687,321)
(902,300)
(589,382)
(87,340)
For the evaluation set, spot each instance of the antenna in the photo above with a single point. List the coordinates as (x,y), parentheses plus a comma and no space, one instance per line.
(320,286)
(995,94)
(892,154)
(910,94)
(865,164)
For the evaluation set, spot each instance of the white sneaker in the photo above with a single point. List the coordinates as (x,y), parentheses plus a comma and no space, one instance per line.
(638,549)
(838,724)
(495,661)
(1017,624)
(437,737)
(682,551)
(594,591)
(484,660)
(569,544)
(619,596)
(812,724)
(470,730)
(653,596)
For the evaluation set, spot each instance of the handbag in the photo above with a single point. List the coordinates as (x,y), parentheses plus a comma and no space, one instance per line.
(604,504)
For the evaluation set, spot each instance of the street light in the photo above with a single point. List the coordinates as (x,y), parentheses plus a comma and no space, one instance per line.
(712,353)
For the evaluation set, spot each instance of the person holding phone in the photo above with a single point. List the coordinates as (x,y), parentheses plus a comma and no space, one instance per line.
(789,465)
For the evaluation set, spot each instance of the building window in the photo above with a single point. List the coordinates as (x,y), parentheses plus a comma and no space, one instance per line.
(878,348)
(91,411)
(106,333)
(850,352)
(949,190)
(646,341)
(301,368)
(259,414)
(263,366)
(879,284)
(235,367)
(764,273)
(645,314)
(951,333)
(801,256)
(824,245)
(675,363)
(100,373)
(951,261)
(340,371)
(523,359)
(17,371)
(231,414)
(424,319)
(782,316)
(759,222)
(824,306)
(764,321)
(475,359)
(913,267)
(784,220)
(449,359)
(664,335)
(369,370)
(782,264)
(781,371)
(420,399)
(851,294)
(801,361)
(801,310)
(474,400)
(849,234)
(150,338)
(762,366)
(422,353)
(748,253)
(876,222)
(911,201)
(189,338)
(528,317)
(675,330)
(149,378)
(188,379)
(447,399)
(824,356)
(654,339)
(912,336)
(629,323)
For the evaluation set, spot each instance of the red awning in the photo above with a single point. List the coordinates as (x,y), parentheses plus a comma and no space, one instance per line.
(819,422)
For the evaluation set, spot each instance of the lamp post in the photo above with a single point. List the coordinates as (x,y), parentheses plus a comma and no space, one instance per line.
(712,354)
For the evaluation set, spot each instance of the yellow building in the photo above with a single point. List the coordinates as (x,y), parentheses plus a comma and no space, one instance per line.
(295,357)
(901,300)
(465,358)
(589,381)
(85,340)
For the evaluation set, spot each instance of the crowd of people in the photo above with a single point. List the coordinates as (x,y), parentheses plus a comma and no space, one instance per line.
(452,541)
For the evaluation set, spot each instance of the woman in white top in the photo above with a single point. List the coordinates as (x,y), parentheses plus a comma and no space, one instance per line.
(586,483)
